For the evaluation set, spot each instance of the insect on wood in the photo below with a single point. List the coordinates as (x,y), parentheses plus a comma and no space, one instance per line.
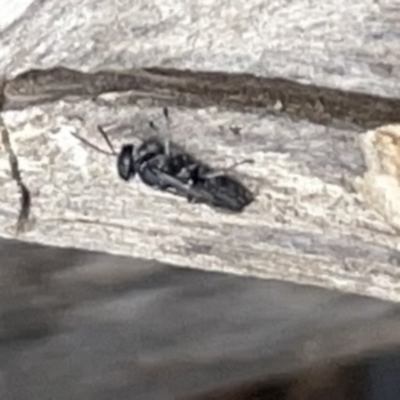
(163,165)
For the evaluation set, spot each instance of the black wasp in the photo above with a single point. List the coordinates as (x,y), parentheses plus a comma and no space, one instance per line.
(163,165)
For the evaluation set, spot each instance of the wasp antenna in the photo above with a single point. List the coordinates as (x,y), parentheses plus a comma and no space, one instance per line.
(166,115)
(107,139)
(245,161)
(91,145)
(167,120)
(153,126)
(166,112)
(236,164)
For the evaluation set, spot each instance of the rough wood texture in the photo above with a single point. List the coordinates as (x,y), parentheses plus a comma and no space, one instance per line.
(305,225)
(350,46)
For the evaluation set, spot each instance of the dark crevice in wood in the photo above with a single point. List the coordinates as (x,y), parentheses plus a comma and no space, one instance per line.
(240,92)
(25,206)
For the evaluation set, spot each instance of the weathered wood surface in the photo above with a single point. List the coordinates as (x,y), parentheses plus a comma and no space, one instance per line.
(305,226)
(349,46)
(77,324)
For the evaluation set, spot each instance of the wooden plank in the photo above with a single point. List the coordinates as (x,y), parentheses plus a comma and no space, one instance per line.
(305,226)
(78,324)
(337,44)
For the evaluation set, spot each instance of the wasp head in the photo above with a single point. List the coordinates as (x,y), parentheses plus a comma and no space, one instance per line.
(125,162)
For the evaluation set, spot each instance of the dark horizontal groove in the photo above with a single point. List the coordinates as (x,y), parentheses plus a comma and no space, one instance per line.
(198,89)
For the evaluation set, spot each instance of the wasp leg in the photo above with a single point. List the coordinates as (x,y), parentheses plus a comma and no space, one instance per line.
(166,116)
(167,147)
(216,174)
(153,126)
(166,113)
(167,153)
(192,199)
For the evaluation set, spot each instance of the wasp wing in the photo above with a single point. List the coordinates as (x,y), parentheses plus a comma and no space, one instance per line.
(228,193)
(181,174)
(222,192)
(173,185)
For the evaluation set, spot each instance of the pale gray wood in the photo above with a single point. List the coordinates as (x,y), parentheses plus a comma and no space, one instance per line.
(305,226)
(353,46)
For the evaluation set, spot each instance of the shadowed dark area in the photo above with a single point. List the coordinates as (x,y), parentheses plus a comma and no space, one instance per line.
(75,325)
(322,105)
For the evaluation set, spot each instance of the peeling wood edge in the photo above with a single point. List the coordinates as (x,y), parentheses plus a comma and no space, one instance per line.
(25,195)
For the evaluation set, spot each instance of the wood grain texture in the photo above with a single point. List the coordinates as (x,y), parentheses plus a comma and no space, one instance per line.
(306,225)
(348,46)
(235,92)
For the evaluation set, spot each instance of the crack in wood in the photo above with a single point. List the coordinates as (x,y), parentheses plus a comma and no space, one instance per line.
(241,92)
(25,200)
